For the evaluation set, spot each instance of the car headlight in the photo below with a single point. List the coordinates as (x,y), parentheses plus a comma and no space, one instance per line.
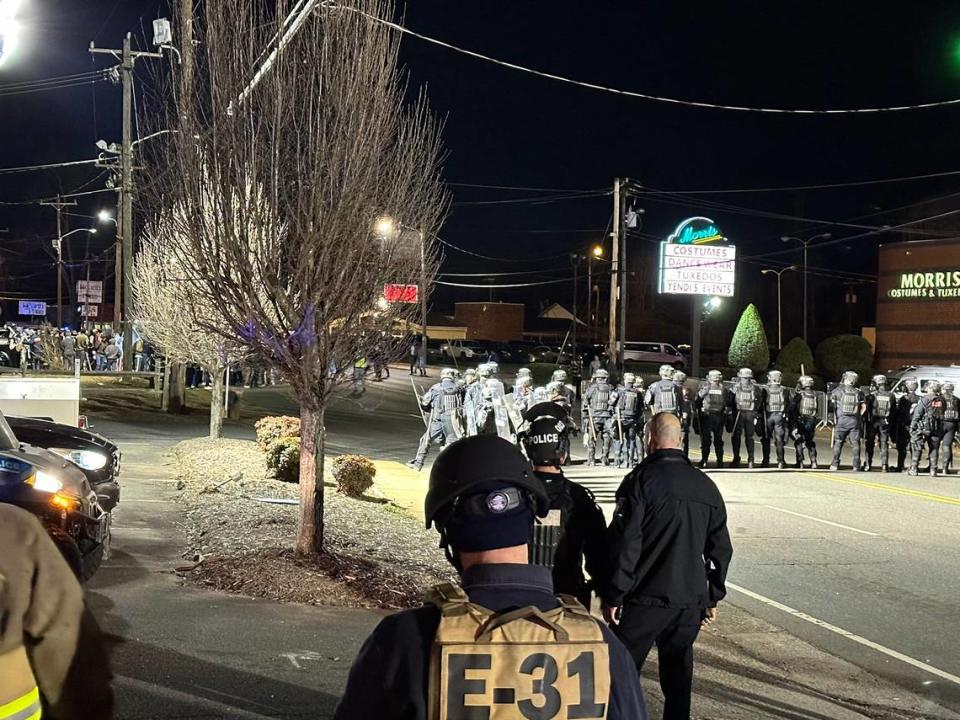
(87,459)
(45,482)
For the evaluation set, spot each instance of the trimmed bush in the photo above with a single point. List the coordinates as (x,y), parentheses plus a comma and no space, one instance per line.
(796,357)
(271,429)
(749,348)
(283,458)
(353,474)
(840,353)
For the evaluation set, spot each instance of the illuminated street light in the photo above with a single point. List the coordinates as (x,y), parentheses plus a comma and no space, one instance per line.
(9,28)
(713,303)
(597,250)
(104,216)
(385,226)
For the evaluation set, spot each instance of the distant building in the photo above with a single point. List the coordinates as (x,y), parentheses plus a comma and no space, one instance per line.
(492,321)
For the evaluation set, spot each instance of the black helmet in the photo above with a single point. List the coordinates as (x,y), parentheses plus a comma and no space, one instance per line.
(543,439)
(478,463)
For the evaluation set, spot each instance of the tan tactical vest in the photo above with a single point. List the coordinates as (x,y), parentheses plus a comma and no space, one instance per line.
(526,664)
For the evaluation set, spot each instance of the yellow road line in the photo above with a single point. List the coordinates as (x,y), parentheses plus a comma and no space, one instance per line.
(944,499)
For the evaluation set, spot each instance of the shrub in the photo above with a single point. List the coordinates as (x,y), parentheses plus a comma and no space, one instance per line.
(271,429)
(353,474)
(796,357)
(840,353)
(283,458)
(748,348)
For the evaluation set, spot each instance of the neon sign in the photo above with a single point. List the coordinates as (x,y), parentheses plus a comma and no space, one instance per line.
(696,231)
(935,285)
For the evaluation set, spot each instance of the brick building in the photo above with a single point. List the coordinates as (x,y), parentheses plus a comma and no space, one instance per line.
(918,304)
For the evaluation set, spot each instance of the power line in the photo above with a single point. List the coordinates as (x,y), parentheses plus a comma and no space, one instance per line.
(51,81)
(521,188)
(30,168)
(791,188)
(493,258)
(504,287)
(546,271)
(644,96)
(535,200)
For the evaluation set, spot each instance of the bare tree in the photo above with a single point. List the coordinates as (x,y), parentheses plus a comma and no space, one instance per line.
(169,309)
(279,186)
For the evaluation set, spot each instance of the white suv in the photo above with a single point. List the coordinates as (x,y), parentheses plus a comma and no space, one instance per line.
(655,353)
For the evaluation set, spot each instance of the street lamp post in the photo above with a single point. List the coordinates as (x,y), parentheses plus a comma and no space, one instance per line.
(595,252)
(58,246)
(779,274)
(104,216)
(806,245)
(387,226)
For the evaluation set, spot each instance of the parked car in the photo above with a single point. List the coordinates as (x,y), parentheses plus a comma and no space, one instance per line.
(456,349)
(95,455)
(658,353)
(921,373)
(58,492)
(551,355)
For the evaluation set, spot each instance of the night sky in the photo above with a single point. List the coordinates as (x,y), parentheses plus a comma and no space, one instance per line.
(505,128)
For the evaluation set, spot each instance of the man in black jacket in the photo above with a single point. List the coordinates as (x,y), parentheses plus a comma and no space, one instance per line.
(669,551)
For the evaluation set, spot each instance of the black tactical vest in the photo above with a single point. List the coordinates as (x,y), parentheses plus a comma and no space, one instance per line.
(600,402)
(808,403)
(951,409)
(746,397)
(849,402)
(776,399)
(882,404)
(631,400)
(713,400)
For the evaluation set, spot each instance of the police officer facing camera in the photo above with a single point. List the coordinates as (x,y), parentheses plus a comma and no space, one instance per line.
(574,528)
(500,639)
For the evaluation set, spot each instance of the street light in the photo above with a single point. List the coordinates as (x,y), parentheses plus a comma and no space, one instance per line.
(597,250)
(9,28)
(104,216)
(806,244)
(387,226)
(58,246)
(779,274)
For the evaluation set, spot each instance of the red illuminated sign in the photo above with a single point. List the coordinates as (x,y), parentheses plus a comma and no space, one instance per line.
(401,293)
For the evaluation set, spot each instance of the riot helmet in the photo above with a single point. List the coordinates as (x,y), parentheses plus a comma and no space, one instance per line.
(666,372)
(483,371)
(679,377)
(525,382)
(470,375)
(559,376)
(483,495)
(554,387)
(850,378)
(932,387)
(523,372)
(601,375)
(715,376)
(775,377)
(947,389)
(543,441)
(745,374)
(629,379)
(911,384)
(448,374)
(494,368)
(880,381)
(806,382)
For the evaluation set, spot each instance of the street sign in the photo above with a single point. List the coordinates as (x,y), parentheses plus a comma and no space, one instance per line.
(89,291)
(32,308)
(401,293)
(698,260)
(89,311)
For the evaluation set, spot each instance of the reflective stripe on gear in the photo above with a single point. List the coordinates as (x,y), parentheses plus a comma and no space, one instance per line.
(775,400)
(26,707)
(849,402)
(746,398)
(882,404)
(522,663)
(808,404)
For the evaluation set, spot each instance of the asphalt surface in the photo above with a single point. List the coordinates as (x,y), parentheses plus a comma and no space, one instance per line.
(864,566)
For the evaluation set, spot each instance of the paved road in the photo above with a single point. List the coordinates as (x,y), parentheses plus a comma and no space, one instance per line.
(824,555)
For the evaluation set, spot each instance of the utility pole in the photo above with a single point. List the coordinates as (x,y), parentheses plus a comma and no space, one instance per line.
(125,242)
(59,205)
(614,272)
(576,277)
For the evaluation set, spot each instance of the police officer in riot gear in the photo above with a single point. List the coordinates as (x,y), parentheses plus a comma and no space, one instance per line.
(523,393)
(664,395)
(520,382)
(848,405)
(686,408)
(905,407)
(444,401)
(482,498)
(951,419)
(926,427)
(881,406)
(573,531)
(471,398)
(596,415)
(628,411)
(776,402)
(710,407)
(747,403)
(804,417)
(560,376)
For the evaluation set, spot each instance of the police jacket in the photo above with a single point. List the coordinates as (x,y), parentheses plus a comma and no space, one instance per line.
(583,528)
(928,416)
(668,543)
(389,679)
(50,648)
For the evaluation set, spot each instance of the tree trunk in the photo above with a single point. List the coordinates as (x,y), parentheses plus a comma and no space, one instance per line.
(174,387)
(310,525)
(216,403)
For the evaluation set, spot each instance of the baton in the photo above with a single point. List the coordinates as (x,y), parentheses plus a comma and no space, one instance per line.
(416,392)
